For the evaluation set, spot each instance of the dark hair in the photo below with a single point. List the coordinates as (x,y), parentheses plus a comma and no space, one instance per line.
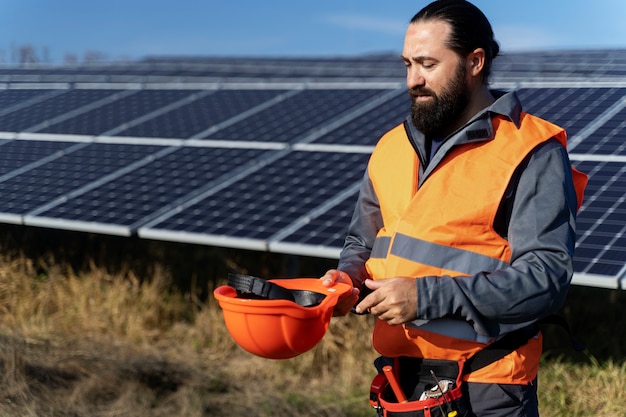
(470,28)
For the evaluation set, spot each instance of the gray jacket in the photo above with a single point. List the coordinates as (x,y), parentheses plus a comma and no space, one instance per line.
(537,216)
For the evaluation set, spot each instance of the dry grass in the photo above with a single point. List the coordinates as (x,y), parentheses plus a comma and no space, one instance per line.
(102,345)
(582,390)
(93,344)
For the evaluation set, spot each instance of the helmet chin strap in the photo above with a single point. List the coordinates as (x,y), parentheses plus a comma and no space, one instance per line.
(248,286)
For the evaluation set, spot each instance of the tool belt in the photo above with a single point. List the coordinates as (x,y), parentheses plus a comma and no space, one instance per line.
(435,387)
(415,387)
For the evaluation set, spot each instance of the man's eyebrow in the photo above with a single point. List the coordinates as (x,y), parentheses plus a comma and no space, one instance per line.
(419,58)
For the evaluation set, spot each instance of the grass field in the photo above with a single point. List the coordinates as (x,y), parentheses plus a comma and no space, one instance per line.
(92,343)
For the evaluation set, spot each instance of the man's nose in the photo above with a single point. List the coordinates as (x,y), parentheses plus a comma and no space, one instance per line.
(414,78)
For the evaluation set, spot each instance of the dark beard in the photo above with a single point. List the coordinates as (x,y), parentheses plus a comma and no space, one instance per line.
(443,111)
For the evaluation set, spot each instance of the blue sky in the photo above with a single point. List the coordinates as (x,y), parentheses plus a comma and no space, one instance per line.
(122,29)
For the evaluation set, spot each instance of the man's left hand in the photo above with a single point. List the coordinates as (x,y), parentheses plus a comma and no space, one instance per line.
(393,300)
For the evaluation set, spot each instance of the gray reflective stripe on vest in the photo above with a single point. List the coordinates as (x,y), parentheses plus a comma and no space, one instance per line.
(380,247)
(451,328)
(444,257)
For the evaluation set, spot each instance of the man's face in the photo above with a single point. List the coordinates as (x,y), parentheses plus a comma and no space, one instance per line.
(436,78)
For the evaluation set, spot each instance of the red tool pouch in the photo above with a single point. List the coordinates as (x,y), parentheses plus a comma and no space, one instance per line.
(437,391)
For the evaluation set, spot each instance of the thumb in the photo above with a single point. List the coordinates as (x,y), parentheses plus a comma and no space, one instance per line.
(373,285)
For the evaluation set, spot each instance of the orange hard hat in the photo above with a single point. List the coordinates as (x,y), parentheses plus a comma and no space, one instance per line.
(278,318)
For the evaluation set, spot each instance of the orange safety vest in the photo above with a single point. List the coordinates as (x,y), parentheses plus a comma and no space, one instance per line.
(446,228)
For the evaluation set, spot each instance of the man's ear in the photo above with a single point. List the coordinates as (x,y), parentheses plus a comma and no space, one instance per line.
(476,62)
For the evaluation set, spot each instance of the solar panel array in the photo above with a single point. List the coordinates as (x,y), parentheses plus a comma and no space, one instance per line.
(267,154)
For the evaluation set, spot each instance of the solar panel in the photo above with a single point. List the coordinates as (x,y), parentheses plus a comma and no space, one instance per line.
(257,206)
(44,110)
(11,100)
(571,108)
(18,154)
(559,65)
(68,172)
(200,114)
(368,128)
(601,222)
(125,200)
(609,138)
(114,114)
(321,234)
(293,117)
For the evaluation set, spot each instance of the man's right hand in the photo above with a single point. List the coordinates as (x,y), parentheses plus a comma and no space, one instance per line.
(346,301)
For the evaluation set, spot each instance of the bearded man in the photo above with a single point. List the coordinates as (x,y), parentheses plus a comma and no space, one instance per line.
(463,234)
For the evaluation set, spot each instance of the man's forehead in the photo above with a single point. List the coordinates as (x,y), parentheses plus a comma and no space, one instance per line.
(426,37)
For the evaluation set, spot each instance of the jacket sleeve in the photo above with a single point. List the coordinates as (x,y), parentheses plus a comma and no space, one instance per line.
(541,234)
(366,221)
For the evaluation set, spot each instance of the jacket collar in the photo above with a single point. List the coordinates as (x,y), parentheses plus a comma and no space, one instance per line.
(508,105)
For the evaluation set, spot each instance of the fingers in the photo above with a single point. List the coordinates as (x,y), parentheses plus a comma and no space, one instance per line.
(372,299)
(330,277)
(393,300)
(346,301)
(334,275)
(374,285)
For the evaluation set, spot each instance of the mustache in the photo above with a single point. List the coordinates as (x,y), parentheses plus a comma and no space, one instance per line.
(421,91)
